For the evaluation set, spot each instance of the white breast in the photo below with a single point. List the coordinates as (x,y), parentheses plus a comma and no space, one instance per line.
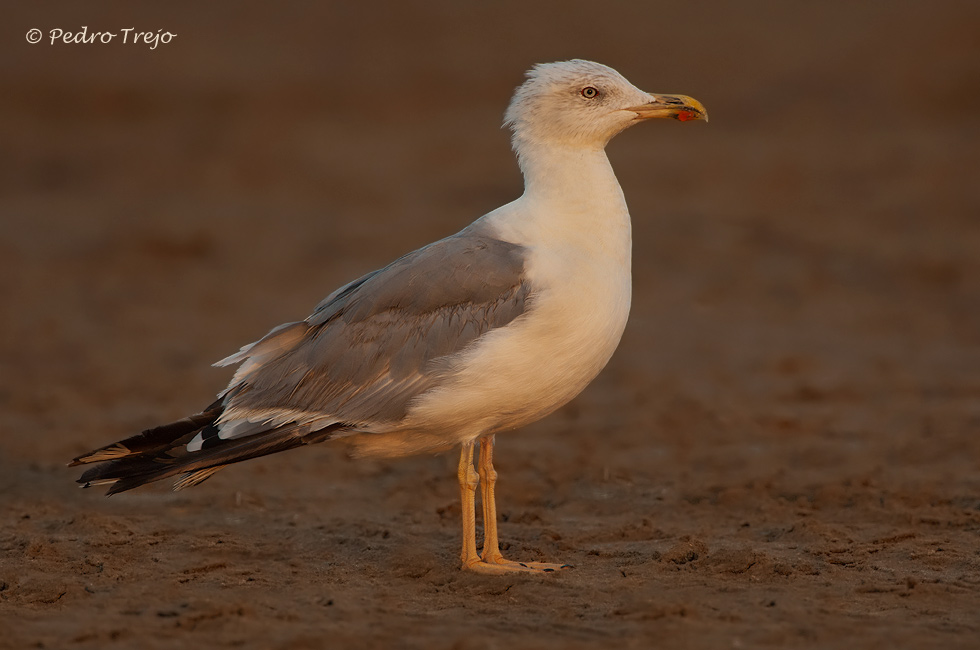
(579,269)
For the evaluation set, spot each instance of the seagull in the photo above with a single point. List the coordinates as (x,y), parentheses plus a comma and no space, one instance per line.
(482,332)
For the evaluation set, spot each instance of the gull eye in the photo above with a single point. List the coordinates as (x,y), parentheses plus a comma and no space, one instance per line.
(590,92)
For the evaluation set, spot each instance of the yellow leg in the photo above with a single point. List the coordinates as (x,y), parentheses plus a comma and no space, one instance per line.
(492,560)
(468,480)
(488,479)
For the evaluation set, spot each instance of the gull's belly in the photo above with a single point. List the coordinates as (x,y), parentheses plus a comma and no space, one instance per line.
(519,373)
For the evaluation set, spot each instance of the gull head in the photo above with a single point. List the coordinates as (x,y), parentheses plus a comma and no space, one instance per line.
(583,104)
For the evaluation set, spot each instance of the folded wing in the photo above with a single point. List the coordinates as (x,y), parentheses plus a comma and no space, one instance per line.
(353,367)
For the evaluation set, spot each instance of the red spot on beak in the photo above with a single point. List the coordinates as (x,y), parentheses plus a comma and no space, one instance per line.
(687,116)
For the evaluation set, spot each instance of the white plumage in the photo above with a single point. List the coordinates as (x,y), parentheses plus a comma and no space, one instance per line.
(481,332)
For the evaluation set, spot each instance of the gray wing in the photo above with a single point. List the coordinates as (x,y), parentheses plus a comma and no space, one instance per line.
(373,345)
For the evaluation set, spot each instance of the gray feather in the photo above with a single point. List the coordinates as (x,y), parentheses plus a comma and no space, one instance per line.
(370,348)
(355,365)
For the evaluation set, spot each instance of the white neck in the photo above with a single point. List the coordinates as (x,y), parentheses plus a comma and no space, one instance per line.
(571,176)
(571,195)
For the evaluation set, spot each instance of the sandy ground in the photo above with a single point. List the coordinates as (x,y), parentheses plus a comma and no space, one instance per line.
(783,453)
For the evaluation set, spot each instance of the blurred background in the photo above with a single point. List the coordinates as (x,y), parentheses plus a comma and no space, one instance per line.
(162,206)
(806,266)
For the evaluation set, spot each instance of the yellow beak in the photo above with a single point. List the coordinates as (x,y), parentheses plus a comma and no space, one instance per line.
(679,107)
